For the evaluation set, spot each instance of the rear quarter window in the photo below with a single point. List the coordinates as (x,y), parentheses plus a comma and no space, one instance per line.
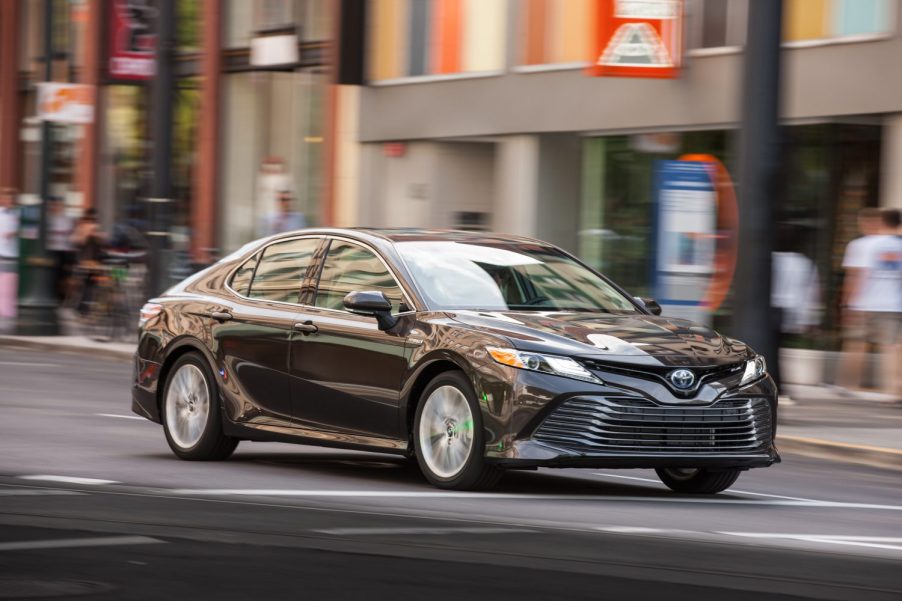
(241,279)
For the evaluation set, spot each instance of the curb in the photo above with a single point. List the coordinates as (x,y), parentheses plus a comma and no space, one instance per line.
(882,457)
(51,343)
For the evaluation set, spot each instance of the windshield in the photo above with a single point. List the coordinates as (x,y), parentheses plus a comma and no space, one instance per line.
(507,276)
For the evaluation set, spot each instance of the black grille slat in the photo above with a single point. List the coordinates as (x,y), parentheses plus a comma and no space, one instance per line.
(638,425)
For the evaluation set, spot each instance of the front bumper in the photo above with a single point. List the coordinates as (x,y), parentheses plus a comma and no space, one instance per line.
(630,424)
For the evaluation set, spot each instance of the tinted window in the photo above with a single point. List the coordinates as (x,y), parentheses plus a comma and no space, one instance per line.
(242,279)
(281,270)
(350,267)
(501,276)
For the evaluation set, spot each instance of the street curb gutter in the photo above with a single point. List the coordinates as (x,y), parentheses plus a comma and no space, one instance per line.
(841,451)
(52,344)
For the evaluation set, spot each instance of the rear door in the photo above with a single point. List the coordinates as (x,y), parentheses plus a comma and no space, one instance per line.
(253,333)
(346,374)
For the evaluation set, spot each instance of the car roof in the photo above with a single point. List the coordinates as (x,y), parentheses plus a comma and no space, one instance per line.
(412,235)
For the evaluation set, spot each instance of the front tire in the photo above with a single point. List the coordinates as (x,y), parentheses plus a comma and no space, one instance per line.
(448,436)
(697,481)
(191,416)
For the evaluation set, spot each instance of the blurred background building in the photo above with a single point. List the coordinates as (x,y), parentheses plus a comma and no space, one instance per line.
(477,114)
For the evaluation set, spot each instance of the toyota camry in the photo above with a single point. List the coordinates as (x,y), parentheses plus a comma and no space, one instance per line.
(473,353)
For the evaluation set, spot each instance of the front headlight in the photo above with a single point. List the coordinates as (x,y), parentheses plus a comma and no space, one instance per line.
(549,364)
(754,369)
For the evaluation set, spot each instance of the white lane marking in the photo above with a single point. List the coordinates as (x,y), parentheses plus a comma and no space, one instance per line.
(64,543)
(120,416)
(732,490)
(837,537)
(874,542)
(401,531)
(34,492)
(264,492)
(29,364)
(67,479)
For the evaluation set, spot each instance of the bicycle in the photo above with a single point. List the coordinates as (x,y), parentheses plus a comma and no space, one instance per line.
(106,297)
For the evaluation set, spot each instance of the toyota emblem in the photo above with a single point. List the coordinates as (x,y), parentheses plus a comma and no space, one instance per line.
(682,379)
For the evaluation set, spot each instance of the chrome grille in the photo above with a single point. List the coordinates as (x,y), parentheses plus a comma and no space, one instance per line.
(628,425)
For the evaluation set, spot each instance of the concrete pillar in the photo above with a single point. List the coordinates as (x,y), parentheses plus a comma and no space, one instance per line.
(559,189)
(203,207)
(87,167)
(891,162)
(516,185)
(346,170)
(9,94)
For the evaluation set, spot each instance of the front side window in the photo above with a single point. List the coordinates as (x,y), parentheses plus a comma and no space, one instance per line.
(507,276)
(282,269)
(349,267)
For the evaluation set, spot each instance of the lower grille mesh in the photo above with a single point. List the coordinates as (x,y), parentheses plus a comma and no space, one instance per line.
(630,425)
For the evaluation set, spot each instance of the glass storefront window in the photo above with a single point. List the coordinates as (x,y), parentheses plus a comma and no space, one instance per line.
(830,172)
(273,140)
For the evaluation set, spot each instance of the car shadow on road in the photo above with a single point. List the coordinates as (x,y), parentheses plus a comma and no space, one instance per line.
(388,471)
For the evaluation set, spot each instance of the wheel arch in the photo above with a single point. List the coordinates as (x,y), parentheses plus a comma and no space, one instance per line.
(437,364)
(177,349)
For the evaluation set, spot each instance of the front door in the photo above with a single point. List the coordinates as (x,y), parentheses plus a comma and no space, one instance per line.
(346,373)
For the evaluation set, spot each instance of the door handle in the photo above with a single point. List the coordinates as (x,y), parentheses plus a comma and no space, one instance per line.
(307,327)
(221,316)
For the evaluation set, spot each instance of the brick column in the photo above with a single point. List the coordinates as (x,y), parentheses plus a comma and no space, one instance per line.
(203,205)
(87,167)
(9,94)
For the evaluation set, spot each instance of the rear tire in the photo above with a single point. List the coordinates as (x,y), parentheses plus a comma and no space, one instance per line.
(449,438)
(191,414)
(697,481)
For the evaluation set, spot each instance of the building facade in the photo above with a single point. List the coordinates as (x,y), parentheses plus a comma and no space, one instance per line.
(245,125)
(481,113)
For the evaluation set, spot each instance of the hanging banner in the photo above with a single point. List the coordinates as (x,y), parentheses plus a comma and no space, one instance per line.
(639,38)
(132,39)
(685,238)
(65,102)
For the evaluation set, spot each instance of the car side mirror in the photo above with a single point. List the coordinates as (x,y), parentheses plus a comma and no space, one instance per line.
(651,304)
(371,302)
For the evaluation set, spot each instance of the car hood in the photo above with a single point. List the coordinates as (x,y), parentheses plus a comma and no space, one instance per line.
(634,338)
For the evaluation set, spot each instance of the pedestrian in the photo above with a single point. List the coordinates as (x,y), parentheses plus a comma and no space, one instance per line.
(284,218)
(90,245)
(795,293)
(9,253)
(872,308)
(59,243)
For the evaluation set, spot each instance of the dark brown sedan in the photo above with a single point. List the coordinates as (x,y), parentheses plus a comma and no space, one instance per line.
(472,352)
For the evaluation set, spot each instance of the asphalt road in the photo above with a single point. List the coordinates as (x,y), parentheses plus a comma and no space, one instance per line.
(93,504)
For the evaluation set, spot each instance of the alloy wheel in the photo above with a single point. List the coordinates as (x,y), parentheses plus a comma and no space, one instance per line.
(187,406)
(446,431)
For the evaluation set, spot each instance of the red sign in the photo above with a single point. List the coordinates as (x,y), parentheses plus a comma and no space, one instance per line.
(132,39)
(394,150)
(639,38)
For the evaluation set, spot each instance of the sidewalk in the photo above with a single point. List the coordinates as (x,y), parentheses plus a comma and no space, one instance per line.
(822,421)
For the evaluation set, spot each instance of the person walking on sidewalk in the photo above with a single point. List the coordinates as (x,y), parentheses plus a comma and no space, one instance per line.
(59,243)
(9,253)
(873,299)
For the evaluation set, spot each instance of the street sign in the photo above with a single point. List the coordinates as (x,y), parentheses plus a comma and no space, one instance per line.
(65,102)
(639,38)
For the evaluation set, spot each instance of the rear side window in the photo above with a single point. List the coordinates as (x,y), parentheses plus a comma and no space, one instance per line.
(350,267)
(241,281)
(282,269)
